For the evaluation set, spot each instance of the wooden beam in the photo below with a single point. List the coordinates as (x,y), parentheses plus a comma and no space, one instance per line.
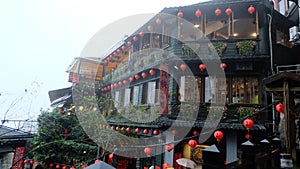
(287,116)
(280,89)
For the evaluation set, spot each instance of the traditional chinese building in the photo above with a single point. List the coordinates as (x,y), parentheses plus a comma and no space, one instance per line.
(12,149)
(198,70)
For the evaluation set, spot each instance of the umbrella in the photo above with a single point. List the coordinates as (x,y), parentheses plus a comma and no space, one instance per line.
(186,163)
(100,165)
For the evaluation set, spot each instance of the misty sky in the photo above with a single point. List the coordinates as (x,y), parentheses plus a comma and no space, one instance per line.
(40,38)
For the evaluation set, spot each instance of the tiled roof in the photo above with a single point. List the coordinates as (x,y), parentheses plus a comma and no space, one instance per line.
(164,121)
(7,133)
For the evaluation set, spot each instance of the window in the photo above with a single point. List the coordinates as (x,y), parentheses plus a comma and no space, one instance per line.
(127,96)
(190,88)
(135,98)
(215,89)
(238,26)
(245,90)
(117,99)
(151,92)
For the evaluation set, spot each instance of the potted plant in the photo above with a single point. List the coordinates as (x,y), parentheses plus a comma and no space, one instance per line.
(246,48)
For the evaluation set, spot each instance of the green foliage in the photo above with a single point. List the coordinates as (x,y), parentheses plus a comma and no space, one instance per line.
(53,146)
(219,47)
(246,48)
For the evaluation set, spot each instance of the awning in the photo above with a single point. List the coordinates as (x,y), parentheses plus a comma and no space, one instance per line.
(60,96)
(100,165)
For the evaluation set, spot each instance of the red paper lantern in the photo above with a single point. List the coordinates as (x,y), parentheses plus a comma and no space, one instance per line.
(118,51)
(141,34)
(64,167)
(183,67)
(158,21)
(202,67)
(152,72)
(218,135)
(195,132)
(166,165)
(218,11)
(123,47)
(129,43)
(180,14)
(135,38)
(169,147)
(110,56)
(125,82)
(146,131)
(57,166)
(131,79)
(72,167)
(51,165)
(280,107)
(156,132)
(25,161)
(128,129)
(112,127)
(117,128)
(150,28)
(147,151)
(115,53)
(84,166)
(228,11)
(248,123)
(174,132)
(192,143)
(144,74)
(137,76)
(111,156)
(223,66)
(123,129)
(137,130)
(116,85)
(251,9)
(120,83)
(198,13)
(248,136)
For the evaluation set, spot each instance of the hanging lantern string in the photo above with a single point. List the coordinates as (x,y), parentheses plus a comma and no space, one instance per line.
(164,144)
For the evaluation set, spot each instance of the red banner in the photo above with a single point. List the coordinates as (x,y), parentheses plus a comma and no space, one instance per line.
(17,161)
(175,164)
(164,89)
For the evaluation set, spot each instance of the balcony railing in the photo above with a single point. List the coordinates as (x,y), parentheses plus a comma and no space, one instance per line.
(237,48)
(229,112)
(214,48)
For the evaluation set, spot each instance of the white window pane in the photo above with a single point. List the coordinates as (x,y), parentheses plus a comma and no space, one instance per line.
(117,98)
(127,97)
(182,88)
(135,95)
(151,92)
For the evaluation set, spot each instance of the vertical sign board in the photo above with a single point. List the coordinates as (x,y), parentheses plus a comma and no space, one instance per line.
(17,162)
(164,89)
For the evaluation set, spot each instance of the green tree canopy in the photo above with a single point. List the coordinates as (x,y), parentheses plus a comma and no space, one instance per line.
(61,140)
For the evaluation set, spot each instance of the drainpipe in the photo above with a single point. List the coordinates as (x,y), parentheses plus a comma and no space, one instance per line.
(270,18)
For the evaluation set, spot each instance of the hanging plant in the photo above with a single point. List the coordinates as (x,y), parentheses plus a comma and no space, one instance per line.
(220,48)
(246,48)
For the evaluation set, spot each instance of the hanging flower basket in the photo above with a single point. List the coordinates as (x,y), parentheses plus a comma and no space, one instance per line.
(219,47)
(246,48)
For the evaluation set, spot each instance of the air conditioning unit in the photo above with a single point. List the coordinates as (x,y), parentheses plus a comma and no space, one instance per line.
(294,34)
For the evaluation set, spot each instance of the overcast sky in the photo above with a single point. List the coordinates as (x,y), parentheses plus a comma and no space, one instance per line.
(40,38)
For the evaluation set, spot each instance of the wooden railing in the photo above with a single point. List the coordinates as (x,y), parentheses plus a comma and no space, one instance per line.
(215,48)
(230,112)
